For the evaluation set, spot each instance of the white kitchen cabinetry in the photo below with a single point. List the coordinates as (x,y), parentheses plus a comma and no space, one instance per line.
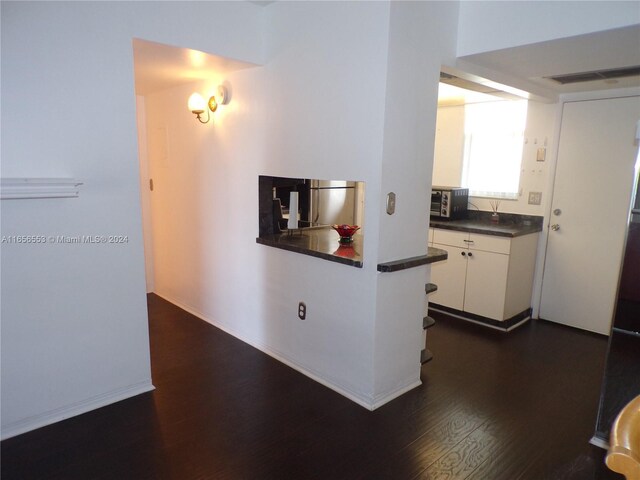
(450,278)
(486,275)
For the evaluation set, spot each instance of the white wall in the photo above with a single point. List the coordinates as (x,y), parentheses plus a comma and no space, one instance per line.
(534,177)
(335,99)
(448,152)
(74,323)
(422,37)
(492,25)
(307,113)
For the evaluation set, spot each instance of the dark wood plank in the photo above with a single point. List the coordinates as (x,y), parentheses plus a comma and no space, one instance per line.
(492,406)
(467,455)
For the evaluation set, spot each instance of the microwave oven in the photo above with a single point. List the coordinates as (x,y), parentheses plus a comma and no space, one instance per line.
(449,202)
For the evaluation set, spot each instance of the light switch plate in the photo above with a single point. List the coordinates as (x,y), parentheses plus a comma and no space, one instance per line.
(391,203)
(535,198)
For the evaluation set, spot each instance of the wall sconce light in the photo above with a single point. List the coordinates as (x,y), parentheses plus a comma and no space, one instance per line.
(198,106)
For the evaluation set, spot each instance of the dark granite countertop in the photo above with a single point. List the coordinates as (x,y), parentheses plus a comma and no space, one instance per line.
(433,255)
(319,242)
(322,242)
(509,225)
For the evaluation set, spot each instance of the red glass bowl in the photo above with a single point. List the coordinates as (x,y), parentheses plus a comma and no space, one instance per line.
(345,232)
(346,250)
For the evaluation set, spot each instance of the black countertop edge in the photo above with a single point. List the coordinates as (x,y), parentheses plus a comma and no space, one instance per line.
(311,253)
(509,224)
(489,230)
(433,255)
(626,332)
(496,230)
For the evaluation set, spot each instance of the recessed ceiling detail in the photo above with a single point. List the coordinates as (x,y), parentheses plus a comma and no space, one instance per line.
(466,84)
(158,66)
(613,73)
(534,66)
(478,88)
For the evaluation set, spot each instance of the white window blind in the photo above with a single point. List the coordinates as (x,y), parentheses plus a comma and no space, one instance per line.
(494,135)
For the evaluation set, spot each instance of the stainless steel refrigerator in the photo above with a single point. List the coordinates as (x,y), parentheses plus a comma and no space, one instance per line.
(621,382)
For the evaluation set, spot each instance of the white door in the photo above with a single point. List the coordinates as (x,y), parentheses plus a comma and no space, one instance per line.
(591,196)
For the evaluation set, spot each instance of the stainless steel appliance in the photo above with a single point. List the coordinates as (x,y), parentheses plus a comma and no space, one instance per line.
(449,202)
(334,201)
(621,382)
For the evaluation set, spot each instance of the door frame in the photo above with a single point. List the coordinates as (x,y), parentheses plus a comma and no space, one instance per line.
(536,300)
(145,194)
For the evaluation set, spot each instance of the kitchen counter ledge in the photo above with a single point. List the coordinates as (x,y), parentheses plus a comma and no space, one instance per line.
(510,225)
(319,242)
(433,255)
(322,242)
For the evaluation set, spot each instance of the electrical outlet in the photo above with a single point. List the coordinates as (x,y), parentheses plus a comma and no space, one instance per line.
(302,311)
(535,198)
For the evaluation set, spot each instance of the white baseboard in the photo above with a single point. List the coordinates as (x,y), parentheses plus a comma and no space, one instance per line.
(365,401)
(482,324)
(599,442)
(387,397)
(53,416)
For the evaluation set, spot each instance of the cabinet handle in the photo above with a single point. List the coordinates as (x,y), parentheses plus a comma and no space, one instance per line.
(468,241)
(470,254)
(464,254)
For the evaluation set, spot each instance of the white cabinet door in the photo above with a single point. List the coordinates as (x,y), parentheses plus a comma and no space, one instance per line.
(449,276)
(485,275)
(486,284)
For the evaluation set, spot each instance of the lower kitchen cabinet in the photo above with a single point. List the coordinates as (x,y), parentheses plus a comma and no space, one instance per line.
(485,275)
(450,277)
(486,284)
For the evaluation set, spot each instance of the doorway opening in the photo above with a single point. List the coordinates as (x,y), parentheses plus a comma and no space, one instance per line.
(181,164)
(490,145)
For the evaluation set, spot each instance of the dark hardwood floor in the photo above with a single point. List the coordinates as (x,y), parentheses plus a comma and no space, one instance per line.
(492,406)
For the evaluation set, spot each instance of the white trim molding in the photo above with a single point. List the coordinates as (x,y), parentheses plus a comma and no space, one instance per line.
(84,406)
(23,188)
(360,398)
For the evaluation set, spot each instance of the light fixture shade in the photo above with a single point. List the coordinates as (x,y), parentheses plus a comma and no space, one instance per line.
(196,103)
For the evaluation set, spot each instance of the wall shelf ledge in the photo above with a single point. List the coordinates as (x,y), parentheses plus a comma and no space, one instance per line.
(24,188)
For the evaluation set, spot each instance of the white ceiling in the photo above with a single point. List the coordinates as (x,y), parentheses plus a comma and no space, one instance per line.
(584,53)
(159,66)
(450,95)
